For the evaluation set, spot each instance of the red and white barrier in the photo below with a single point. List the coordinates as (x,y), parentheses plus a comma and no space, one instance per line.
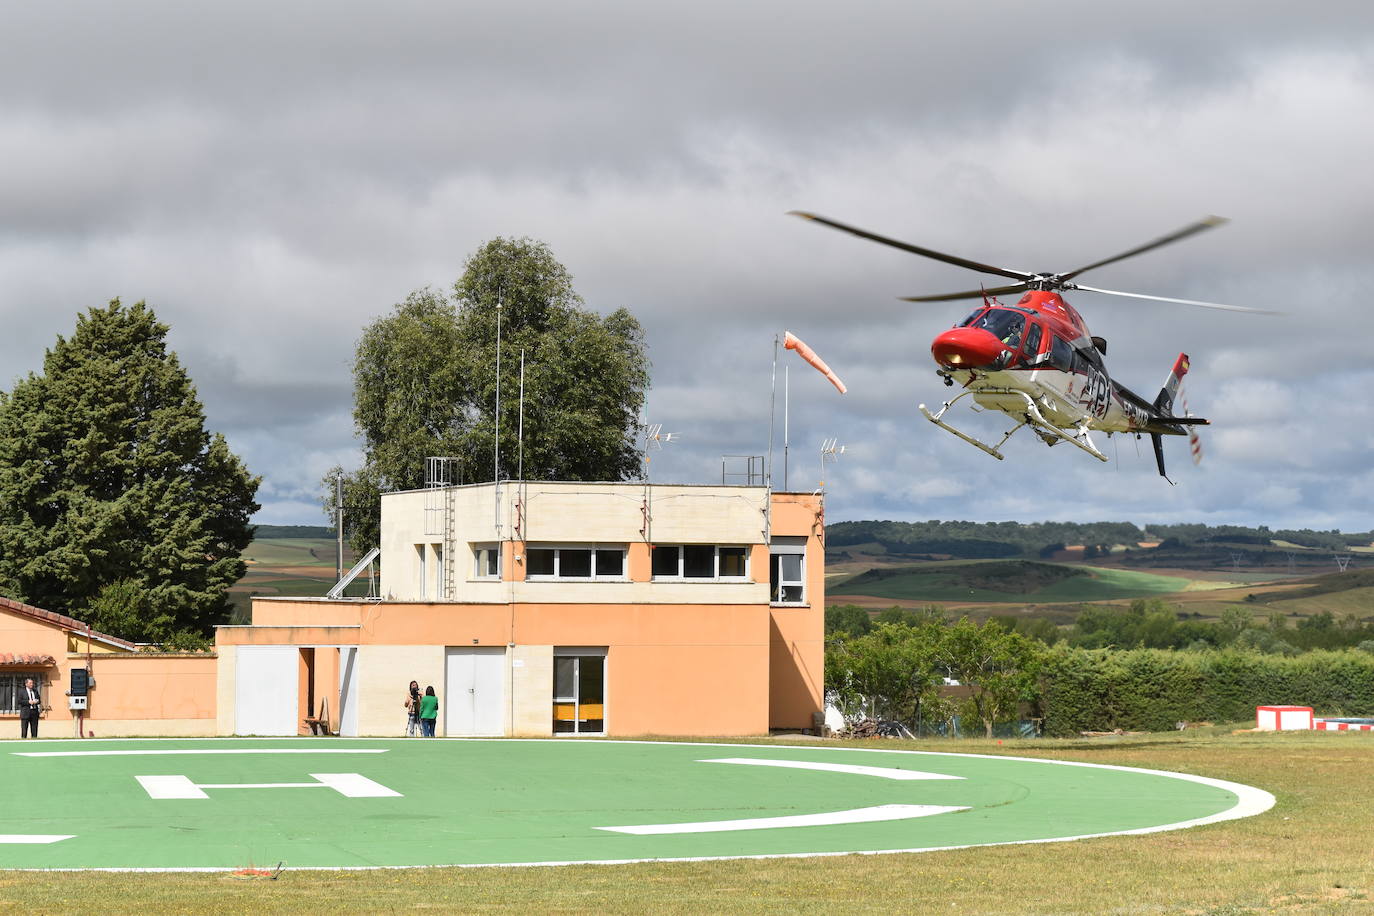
(1325,726)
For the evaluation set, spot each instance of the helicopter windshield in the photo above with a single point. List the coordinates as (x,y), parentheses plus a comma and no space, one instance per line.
(1005,324)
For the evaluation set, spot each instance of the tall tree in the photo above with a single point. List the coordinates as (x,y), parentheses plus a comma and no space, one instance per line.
(425,383)
(115,503)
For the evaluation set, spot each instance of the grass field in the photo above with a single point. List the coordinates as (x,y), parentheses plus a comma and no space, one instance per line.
(1310,854)
(1000,581)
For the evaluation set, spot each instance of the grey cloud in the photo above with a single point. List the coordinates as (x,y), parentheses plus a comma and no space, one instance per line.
(272,178)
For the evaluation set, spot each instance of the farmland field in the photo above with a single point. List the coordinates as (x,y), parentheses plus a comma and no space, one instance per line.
(999,581)
(291,567)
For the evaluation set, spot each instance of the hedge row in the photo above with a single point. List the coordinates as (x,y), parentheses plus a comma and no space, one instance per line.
(1152,689)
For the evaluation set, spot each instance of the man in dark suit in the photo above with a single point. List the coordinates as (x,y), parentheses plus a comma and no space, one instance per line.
(28,709)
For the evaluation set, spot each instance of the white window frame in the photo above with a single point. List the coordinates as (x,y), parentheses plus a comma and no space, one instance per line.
(481,550)
(715,563)
(622,576)
(787,546)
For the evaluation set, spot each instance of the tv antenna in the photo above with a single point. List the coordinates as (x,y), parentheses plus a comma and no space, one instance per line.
(654,440)
(830,453)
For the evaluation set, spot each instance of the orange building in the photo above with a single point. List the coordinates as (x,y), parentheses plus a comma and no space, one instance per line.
(131,693)
(544,608)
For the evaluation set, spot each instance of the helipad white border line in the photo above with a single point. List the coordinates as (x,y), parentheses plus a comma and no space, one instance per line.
(869,815)
(851,768)
(31,838)
(208,750)
(1249,802)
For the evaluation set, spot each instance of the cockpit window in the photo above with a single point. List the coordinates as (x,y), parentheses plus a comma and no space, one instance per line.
(972,319)
(1005,324)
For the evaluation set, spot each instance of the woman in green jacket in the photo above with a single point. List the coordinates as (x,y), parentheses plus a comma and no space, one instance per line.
(429,711)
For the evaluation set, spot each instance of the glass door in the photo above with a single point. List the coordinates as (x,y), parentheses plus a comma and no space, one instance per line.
(579,694)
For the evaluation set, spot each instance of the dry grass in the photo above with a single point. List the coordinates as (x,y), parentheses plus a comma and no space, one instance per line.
(1313,853)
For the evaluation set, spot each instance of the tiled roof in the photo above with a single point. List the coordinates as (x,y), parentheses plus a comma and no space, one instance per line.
(61,620)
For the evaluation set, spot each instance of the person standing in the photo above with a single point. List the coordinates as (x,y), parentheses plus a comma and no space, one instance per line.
(29,707)
(429,712)
(413,710)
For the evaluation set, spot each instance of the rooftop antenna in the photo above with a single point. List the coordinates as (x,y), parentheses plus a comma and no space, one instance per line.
(830,453)
(339,523)
(654,439)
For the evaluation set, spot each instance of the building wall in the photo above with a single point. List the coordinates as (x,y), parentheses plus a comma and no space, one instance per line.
(531,675)
(682,657)
(142,694)
(384,676)
(134,693)
(564,513)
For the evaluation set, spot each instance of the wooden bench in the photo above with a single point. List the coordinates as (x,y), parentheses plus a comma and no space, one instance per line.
(319,725)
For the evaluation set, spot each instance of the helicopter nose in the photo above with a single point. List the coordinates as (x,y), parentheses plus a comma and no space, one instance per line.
(966,348)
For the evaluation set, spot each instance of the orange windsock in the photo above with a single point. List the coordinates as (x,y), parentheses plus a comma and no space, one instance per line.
(792,342)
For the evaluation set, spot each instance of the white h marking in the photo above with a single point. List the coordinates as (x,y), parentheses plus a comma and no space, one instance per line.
(349,785)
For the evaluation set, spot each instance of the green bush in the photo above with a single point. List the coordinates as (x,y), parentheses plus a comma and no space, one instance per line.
(1151,689)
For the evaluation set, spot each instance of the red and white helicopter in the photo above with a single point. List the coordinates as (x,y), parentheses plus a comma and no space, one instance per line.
(1036,362)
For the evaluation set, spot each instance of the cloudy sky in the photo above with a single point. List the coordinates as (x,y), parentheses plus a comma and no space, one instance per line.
(271,177)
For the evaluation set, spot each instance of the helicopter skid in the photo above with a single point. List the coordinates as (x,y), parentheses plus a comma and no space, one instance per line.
(1046,430)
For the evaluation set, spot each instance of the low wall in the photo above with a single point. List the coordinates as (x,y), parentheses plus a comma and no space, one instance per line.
(146,694)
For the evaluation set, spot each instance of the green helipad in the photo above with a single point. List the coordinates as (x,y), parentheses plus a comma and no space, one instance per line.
(360,803)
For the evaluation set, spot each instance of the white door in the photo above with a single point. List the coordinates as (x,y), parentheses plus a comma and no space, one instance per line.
(266,680)
(348,692)
(474,697)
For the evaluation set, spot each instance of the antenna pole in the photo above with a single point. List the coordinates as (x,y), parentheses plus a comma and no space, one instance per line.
(786,419)
(339,521)
(520,433)
(772,412)
(496,445)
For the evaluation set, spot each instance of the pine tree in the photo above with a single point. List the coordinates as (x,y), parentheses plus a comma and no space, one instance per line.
(116,505)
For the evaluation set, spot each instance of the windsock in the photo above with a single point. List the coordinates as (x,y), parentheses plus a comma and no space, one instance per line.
(791,342)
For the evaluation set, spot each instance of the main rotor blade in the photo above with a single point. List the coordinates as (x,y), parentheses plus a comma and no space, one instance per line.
(970,294)
(1183,233)
(1206,305)
(915,249)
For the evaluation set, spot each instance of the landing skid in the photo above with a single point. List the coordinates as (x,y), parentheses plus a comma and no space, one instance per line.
(1046,430)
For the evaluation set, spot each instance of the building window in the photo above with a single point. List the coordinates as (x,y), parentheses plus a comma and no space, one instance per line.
(579,691)
(700,561)
(581,562)
(12,688)
(439,590)
(486,561)
(787,570)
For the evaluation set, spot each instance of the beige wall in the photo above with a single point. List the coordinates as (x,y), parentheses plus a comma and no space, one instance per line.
(561,513)
(531,680)
(384,675)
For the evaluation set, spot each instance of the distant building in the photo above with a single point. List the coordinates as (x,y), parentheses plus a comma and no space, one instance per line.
(544,608)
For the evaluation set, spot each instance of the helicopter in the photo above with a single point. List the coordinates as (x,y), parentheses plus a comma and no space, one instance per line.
(1036,362)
